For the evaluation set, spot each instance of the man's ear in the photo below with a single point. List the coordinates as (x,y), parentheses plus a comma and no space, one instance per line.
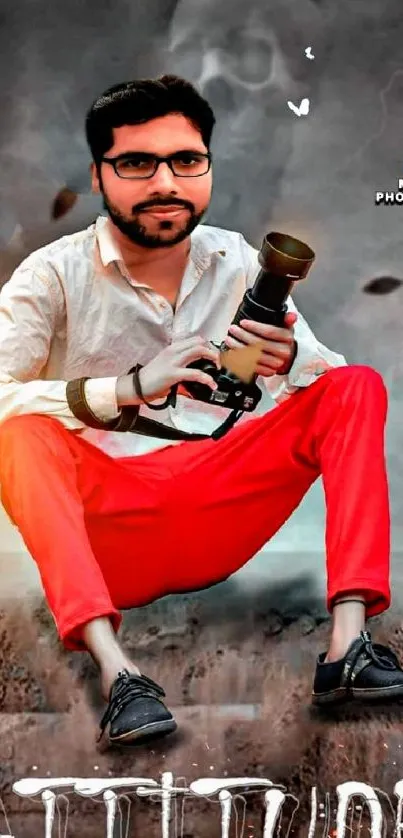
(95,185)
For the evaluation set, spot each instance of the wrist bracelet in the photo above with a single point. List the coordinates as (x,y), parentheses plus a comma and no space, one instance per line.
(77,402)
(170,399)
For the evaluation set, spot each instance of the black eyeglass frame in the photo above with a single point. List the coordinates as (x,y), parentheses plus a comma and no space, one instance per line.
(113,161)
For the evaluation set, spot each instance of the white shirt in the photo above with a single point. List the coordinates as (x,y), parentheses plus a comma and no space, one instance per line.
(71,310)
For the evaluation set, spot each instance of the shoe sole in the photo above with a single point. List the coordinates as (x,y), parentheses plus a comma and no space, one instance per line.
(141,734)
(339,695)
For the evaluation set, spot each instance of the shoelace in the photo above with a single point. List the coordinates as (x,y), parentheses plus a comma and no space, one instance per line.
(385,659)
(126,688)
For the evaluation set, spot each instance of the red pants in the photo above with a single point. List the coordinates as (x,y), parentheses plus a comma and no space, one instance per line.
(113,534)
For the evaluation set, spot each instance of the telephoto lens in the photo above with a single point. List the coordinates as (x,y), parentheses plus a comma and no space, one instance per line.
(283,261)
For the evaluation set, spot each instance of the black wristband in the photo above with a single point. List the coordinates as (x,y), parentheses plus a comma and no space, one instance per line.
(170,399)
(77,402)
(137,383)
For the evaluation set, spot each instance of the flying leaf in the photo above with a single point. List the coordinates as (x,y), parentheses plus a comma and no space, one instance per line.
(63,203)
(382,285)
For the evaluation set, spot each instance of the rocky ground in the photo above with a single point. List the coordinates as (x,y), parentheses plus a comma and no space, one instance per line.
(238,673)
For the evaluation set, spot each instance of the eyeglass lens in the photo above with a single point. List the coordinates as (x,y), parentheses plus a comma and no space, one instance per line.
(142,165)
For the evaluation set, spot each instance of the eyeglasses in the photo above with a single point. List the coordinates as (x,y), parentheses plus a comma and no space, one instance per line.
(140,165)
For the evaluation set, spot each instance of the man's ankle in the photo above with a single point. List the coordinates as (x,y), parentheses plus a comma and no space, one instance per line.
(336,653)
(348,621)
(109,675)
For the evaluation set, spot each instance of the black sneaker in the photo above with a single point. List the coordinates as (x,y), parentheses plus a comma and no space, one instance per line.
(136,711)
(368,672)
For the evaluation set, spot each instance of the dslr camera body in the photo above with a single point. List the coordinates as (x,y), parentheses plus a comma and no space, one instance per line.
(284,260)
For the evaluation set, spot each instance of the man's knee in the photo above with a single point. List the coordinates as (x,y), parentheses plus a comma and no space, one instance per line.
(18,427)
(20,436)
(360,378)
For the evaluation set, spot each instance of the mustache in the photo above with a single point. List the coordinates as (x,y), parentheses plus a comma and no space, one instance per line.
(163,202)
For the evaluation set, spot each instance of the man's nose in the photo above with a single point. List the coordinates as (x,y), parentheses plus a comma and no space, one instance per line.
(164,179)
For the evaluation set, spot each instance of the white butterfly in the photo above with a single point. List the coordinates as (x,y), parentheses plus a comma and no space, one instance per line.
(302,110)
(309,54)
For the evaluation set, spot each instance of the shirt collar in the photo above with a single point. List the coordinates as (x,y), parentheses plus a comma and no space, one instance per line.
(202,247)
(109,250)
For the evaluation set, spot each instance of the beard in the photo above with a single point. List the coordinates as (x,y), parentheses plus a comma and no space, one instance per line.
(133,229)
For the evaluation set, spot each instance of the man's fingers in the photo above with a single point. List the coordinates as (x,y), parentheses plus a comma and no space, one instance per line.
(186,351)
(271,366)
(199,376)
(261,332)
(265,331)
(236,344)
(245,338)
(290,319)
(212,355)
(275,348)
(278,350)
(195,354)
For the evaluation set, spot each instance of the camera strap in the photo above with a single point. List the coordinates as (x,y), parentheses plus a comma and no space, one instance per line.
(148,427)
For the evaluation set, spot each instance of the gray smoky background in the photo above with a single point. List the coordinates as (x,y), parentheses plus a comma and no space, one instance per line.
(313,176)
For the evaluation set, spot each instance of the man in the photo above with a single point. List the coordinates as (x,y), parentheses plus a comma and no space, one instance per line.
(111,528)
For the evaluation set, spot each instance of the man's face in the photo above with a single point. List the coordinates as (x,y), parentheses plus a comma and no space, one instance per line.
(163,210)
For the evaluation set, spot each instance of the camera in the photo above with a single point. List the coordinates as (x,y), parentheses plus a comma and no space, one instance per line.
(284,260)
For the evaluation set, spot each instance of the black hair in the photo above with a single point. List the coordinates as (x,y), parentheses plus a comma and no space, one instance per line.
(139,101)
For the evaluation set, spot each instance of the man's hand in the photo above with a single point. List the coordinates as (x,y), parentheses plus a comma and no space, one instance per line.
(167,368)
(279,343)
